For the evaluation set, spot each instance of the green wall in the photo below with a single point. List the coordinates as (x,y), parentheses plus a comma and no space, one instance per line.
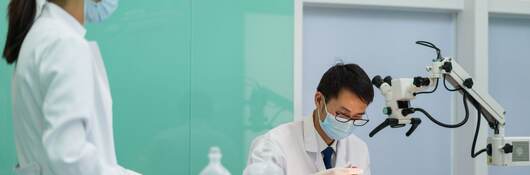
(241,75)
(186,75)
(7,146)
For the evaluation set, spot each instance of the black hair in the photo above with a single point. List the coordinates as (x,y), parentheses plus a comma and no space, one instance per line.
(346,77)
(21,14)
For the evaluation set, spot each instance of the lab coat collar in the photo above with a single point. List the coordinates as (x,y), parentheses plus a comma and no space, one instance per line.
(312,140)
(53,10)
(323,145)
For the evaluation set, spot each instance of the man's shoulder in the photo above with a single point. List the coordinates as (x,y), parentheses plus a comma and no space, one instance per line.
(286,129)
(287,126)
(282,133)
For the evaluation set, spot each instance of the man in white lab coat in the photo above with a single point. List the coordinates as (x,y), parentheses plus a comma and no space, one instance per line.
(323,143)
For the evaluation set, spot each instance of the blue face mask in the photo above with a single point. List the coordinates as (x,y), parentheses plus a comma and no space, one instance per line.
(97,11)
(333,128)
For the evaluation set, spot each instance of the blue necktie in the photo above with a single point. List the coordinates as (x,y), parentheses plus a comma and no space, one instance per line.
(327,153)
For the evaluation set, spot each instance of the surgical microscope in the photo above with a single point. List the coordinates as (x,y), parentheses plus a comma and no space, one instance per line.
(399,92)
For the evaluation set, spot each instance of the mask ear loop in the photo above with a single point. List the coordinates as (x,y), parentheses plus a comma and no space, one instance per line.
(325,108)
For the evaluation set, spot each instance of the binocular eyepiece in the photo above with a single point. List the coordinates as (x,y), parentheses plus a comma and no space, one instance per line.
(377,81)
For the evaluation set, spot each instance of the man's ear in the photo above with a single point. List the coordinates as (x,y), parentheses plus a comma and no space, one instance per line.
(318,99)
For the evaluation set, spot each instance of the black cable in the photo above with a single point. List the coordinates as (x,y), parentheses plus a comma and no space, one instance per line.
(466,108)
(431,45)
(473,154)
(428,92)
(464,121)
(445,85)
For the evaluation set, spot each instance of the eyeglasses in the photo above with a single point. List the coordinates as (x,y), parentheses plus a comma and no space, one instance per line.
(356,122)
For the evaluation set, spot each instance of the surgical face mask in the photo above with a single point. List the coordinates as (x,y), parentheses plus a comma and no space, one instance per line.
(99,10)
(333,128)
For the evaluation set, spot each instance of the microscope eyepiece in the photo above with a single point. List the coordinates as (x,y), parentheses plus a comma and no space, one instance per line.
(377,81)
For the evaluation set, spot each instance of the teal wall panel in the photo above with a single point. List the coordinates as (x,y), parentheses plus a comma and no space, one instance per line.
(7,146)
(146,50)
(241,75)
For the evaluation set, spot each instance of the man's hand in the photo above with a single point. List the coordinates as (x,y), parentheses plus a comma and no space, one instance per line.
(341,171)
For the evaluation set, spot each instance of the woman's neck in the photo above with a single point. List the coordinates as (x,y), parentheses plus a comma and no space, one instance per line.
(73,7)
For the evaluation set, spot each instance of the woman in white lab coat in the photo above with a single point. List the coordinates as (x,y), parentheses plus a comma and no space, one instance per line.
(62,107)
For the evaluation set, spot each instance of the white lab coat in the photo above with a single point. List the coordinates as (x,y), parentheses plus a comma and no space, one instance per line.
(62,107)
(296,148)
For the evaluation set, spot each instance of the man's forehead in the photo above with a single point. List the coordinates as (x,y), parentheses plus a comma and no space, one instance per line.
(350,101)
(348,95)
